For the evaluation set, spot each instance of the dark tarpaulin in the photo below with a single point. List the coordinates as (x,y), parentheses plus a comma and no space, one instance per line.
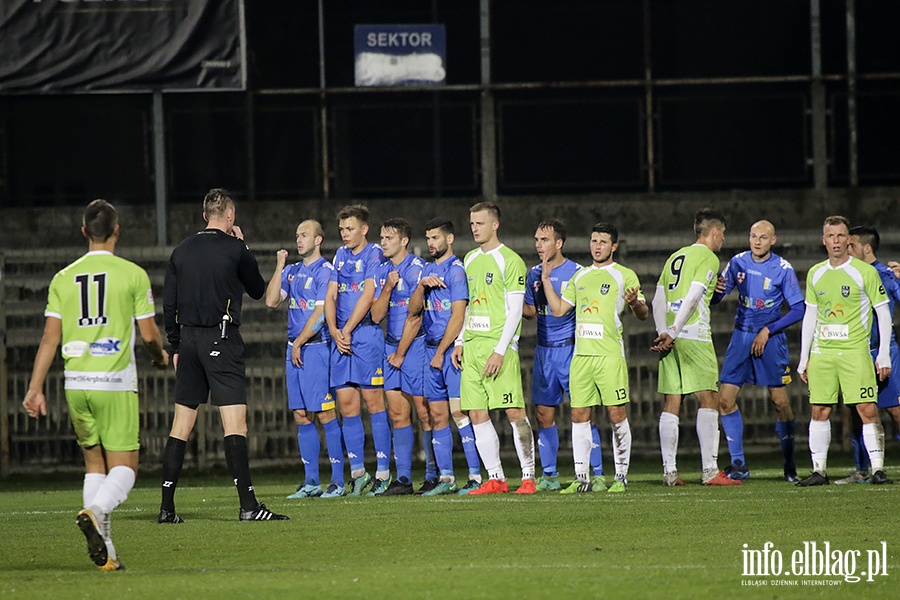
(49,46)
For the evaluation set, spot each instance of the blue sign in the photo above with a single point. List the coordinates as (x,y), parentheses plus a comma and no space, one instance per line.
(400,55)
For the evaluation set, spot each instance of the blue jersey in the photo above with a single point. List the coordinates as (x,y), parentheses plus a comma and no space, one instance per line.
(439,301)
(350,273)
(892,287)
(551,330)
(410,269)
(305,288)
(762,288)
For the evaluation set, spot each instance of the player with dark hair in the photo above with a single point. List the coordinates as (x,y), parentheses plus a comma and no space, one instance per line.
(307,360)
(92,307)
(687,363)
(758,352)
(357,354)
(206,278)
(599,374)
(404,350)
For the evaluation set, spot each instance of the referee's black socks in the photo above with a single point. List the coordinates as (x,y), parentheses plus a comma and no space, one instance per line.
(173,460)
(238,460)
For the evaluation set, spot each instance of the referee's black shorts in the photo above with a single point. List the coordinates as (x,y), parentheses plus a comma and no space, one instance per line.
(210,367)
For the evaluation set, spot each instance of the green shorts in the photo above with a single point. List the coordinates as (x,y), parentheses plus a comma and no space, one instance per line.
(690,366)
(596,380)
(489,393)
(851,373)
(107,418)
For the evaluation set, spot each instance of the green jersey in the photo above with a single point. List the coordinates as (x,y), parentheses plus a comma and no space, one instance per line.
(690,265)
(844,297)
(492,275)
(598,295)
(97,298)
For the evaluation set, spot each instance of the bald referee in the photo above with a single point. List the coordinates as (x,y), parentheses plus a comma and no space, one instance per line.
(206,278)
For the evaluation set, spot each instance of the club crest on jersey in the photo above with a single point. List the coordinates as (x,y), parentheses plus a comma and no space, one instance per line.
(741,277)
(290,279)
(604,289)
(489,278)
(845,291)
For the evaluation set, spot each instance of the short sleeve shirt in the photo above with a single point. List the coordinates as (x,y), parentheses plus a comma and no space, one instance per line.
(410,269)
(844,298)
(598,297)
(762,288)
(690,265)
(98,298)
(491,275)
(350,273)
(305,287)
(550,329)
(439,301)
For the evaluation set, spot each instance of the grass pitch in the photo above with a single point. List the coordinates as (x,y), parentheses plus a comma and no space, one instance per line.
(651,542)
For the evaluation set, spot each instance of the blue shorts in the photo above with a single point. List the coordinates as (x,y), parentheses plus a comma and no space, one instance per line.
(550,377)
(408,378)
(440,384)
(362,368)
(889,391)
(308,386)
(772,369)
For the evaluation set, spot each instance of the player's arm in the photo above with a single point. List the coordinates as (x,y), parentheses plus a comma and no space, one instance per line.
(883,358)
(363,305)
(382,300)
(170,307)
(416,303)
(663,340)
(337,335)
(807,334)
(724,285)
(275,294)
(794,315)
(411,327)
(454,327)
(556,305)
(152,339)
(637,304)
(514,302)
(690,304)
(35,403)
(249,275)
(529,311)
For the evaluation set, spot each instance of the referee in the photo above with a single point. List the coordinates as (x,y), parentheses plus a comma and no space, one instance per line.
(205,281)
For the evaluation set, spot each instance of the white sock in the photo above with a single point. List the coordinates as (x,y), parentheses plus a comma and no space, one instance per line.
(668,440)
(582,440)
(621,443)
(113,491)
(105,531)
(873,435)
(488,445)
(523,437)
(92,483)
(708,434)
(819,440)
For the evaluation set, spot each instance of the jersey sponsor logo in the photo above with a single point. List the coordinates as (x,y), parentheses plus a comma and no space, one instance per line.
(214,353)
(836,310)
(521,280)
(350,287)
(438,305)
(150,297)
(74,349)
(674,307)
(105,347)
(758,303)
(589,331)
(604,289)
(489,278)
(836,331)
(845,291)
(398,304)
(591,308)
(480,300)
(299,303)
(710,275)
(476,323)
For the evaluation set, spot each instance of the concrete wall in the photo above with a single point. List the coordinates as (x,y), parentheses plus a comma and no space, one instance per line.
(664,213)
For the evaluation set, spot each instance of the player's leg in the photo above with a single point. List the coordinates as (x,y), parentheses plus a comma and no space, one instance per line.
(443,448)
(368,372)
(584,396)
(669,384)
(450,379)
(308,443)
(612,380)
(505,392)
(596,455)
(873,434)
(404,439)
(785,427)
(824,384)
(334,443)
(349,401)
(773,370)
(546,395)
(474,400)
(859,386)
(737,369)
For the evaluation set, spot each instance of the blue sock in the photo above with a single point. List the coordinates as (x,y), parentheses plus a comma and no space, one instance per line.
(733,425)
(308,440)
(334,442)
(467,437)
(548,446)
(431,468)
(785,431)
(404,440)
(860,454)
(381,433)
(443,450)
(596,452)
(355,440)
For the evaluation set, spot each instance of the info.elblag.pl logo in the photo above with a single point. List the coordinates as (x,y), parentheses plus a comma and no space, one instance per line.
(814,563)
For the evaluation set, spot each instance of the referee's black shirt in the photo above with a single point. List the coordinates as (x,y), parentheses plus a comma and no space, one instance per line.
(205,279)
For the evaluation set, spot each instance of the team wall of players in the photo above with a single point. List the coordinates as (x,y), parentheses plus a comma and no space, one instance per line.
(448,349)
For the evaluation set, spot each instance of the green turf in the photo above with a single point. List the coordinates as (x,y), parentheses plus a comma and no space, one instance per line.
(651,542)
